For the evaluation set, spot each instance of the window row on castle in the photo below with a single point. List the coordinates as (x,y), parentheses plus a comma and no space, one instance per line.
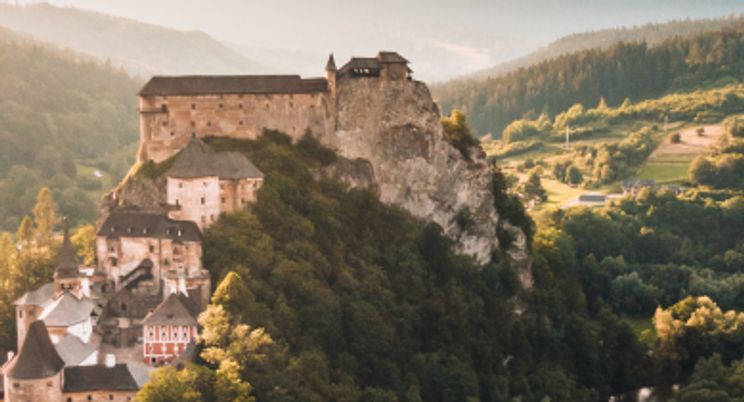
(172,333)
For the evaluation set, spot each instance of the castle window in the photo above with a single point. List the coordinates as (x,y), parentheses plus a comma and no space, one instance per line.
(113,262)
(291,104)
(221,105)
(204,219)
(180,233)
(49,383)
(204,183)
(144,231)
(193,106)
(152,248)
(180,185)
(211,218)
(69,399)
(165,124)
(203,201)
(223,200)
(209,124)
(242,200)
(241,122)
(129,229)
(193,124)
(173,133)
(16,385)
(90,397)
(20,313)
(241,106)
(111,397)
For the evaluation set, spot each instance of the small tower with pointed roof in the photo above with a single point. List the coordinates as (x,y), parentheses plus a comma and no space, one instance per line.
(67,271)
(331,71)
(35,374)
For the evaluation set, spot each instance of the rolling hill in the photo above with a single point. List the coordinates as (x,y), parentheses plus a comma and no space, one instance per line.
(142,49)
(66,122)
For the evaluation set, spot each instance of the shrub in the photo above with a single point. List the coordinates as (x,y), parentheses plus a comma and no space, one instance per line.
(676,138)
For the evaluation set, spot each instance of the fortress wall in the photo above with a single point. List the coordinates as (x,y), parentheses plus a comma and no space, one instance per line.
(167,122)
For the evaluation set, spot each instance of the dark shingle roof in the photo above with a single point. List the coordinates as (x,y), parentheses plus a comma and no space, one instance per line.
(369,63)
(233,84)
(198,159)
(176,309)
(38,358)
(132,223)
(99,378)
(391,57)
(67,311)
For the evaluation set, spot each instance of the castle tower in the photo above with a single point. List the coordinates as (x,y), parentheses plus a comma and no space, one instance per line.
(332,101)
(35,374)
(67,273)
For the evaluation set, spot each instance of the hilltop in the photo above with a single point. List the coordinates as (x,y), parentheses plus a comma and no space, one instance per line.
(652,33)
(63,116)
(140,48)
(634,70)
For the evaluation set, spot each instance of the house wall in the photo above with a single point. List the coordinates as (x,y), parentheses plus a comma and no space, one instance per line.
(167,122)
(196,200)
(166,255)
(39,390)
(164,343)
(98,395)
(236,195)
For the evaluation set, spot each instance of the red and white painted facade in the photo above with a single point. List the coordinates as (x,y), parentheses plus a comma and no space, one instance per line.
(164,343)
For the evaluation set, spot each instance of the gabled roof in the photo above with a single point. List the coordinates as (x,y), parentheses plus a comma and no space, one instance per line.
(38,358)
(99,378)
(391,57)
(176,309)
(232,84)
(74,351)
(67,311)
(67,264)
(369,63)
(198,159)
(134,223)
(39,297)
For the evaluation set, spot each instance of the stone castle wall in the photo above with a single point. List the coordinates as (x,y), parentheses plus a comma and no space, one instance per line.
(37,390)
(167,122)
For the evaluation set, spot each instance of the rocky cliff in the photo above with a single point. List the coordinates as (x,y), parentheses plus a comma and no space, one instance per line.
(392,130)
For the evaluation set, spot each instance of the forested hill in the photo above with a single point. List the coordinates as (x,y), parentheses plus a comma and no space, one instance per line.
(141,48)
(625,70)
(652,34)
(57,110)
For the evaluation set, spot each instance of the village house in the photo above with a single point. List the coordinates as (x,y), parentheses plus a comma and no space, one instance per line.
(203,183)
(169,329)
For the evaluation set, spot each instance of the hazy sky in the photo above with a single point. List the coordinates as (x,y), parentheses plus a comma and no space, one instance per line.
(479,33)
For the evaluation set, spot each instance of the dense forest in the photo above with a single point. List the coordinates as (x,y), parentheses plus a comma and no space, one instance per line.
(632,70)
(652,34)
(62,116)
(326,294)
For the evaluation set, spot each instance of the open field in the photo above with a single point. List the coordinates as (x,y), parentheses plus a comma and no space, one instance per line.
(670,162)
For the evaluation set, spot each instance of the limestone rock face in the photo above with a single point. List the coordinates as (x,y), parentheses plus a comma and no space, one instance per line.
(395,126)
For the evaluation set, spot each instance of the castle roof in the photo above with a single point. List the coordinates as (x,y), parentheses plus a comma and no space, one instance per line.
(74,351)
(135,223)
(67,265)
(99,378)
(176,309)
(39,297)
(331,63)
(232,84)
(391,57)
(198,159)
(37,358)
(67,311)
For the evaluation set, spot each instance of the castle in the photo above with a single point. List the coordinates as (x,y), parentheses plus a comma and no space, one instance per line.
(173,109)
(94,332)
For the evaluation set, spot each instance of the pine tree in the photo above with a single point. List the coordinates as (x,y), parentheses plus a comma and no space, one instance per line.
(45,216)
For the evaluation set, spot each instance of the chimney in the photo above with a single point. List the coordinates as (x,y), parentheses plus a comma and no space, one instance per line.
(182,285)
(110,360)
(10,355)
(85,286)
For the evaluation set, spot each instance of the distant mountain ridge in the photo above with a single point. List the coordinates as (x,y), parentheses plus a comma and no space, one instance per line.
(140,48)
(652,34)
